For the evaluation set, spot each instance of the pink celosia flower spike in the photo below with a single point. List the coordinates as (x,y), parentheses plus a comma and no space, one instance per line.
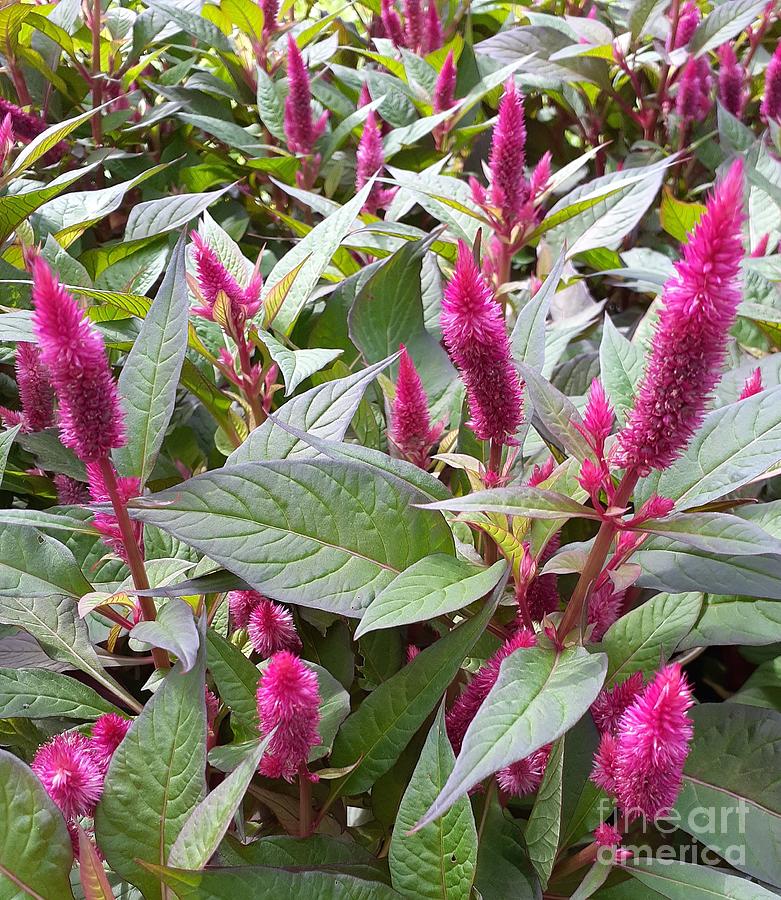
(688,21)
(392,23)
(35,390)
(611,703)
(693,101)
(270,16)
(70,492)
(370,160)
(241,604)
(411,429)
(732,81)
(91,420)
(7,139)
(698,308)
(444,94)
(525,776)
(128,488)
(509,188)
(108,732)
(771,102)
(415,22)
(300,129)
(271,628)
(475,336)
(213,279)
(70,773)
(288,700)
(607,835)
(433,33)
(28,126)
(753,384)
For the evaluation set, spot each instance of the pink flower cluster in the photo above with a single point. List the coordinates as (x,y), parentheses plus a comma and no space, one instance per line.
(370,160)
(269,625)
(215,283)
(36,393)
(27,126)
(301,129)
(106,523)
(422,29)
(411,430)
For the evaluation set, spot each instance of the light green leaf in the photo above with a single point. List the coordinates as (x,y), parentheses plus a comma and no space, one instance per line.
(155,217)
(678,218)
(270,107)
(544,826)
(735,619)
(555,414)
(194,24)
(683,881)
(527,340)
(718,533)
(6,440)
(621,366)
(43,143)
(296,365)
(530,502)
(236,679)
(174,630)
(39,693)
(723,23)
(31,562)
(440,860)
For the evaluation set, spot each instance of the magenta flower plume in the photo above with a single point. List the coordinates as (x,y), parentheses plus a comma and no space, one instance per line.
(270,16)
(241,604)
(70,773)
(604,608)
(509,188)
(475,336)
(289,701)
(392,23)
(301,130)
(214,279)
(106,523)
(753,385)
(35,389)
(525,776)
(444,94)
(108,732)
(370,160)
(415,22)
(771,102)
(27,126)
(432,39)
(698,308)
(606,835)
(732,81)
(541,175)
(7,137)
(611,703)
(542,595)
(598,416)
(693,101)
(70,492)
(688,21)
(411,429)
(271,628)
(91,419)
(461,713)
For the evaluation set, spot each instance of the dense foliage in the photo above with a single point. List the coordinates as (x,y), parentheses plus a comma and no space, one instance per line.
(392,412)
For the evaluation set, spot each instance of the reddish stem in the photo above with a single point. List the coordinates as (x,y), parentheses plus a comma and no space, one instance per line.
(304,803)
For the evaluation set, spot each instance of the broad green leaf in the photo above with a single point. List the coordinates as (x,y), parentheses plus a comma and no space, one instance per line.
(734,136)
(194,24)
(538,696)
(296,365)
(735,619)
(313,255)
(684,881)
(440,860)
(528,335)
(555,414)
(731,798)
(431,587)
(43,143)
(38,694)
(31,562)
(735,444)
(155,779)
(150,375)
(763,687)
(678,218)
(309,533)
(92,875)
(717,533)
(229,133)
(642,13)
(324,411)
(15,208)
(582,807)
(649,634)
(155,217)
(236,679)
(724,22)
(544,825)
(382,726)
(174,630)
(530,502)
(6,440)
(35,848)
(317,850)
(503,868)
(270,106)
(621,366)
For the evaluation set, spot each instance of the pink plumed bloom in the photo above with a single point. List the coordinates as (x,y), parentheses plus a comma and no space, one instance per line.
(525,776)
(475,336)
(214,281)
(270,16)
(611,703)
(241,604)
(479,193)
(392,23)
(7,138)
(652,744)
(598,417)
(411,430)
(128,488)
(27,126)
(444,94)
(541,472)
(108,732)
(370,160)
(301,130)
(771,102)
(732,81)
(11,417)
(688,21)
(693,100)
(70,492)
(606,835)
(90,415)
(271,628)
(542,595)
(432,38)
(604,608)
(699,305)
(541,175)
(412,651)
(461,713)
(603,773)
(71,774)
(415,23)
(655,507)
(509,188)
(364,97)
(591,477)
(753,384)
(289,701)
(35,389)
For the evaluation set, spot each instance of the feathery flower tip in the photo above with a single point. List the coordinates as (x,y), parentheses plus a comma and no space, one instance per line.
(753,384)
(688,21)
(732,80)
(91,420)
(288,700)
(444,94)
(432,39)
(693,102)
(300,128)
(35,389)
(411,430)
(509,188)
(271,628)
(392,23)
(771,102)
(241,604)
(108,732)
(70,773)
(525,776)
(611,703)
(607,835)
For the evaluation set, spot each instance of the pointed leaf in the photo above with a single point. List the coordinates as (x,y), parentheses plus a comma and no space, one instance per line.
(92,875)
(174,630)
(683,881)
(621,365)
(296,365)
(530,502)
(39,694)
(544,826)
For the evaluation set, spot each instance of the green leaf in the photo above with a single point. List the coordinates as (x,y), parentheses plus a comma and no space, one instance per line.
(32,562)
(734,445)
(431,587)
(649,634)
(538,696)
(38,694)
(503,869)
(150,375)
(440,860)
(270,107)
(206,826)
(317,850)
(92,875)
(555,414)
(296,365)
(6,440)
(528,335)
(310,533)
(717,533)
(723,23)
(735,619)
(544,826)
(45,141)
(155,217)
(581,808)
(530,502)
(382,726)
(324,411)
(156,777)
(15,208)
(621,366)
(683,881)
(236,679)
(678,218)
(195,25)
(642,13)
(731,798)
(174,630)
(35,848)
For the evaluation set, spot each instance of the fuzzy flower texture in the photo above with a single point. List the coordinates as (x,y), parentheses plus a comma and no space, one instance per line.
(301,130)
(411,429)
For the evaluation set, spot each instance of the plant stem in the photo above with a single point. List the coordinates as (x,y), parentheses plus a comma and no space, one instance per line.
(304,803)
(582,858)
(596,558)
(135,560)
(494,465)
